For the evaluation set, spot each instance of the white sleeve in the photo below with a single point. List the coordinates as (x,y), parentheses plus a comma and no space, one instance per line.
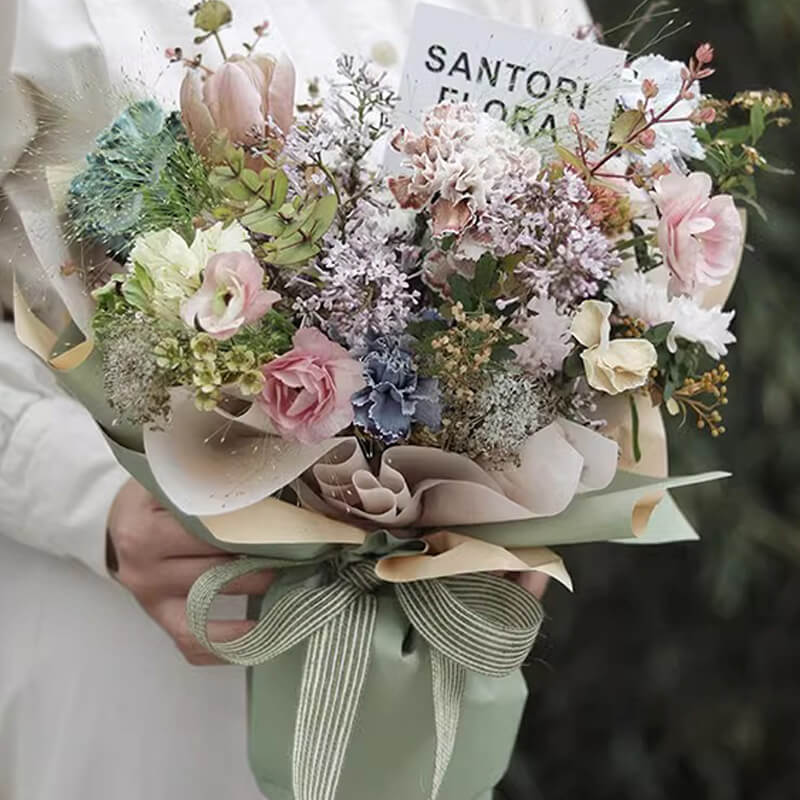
(58,477)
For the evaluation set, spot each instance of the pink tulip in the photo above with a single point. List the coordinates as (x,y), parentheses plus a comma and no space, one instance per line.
(308,391)
(231,296)
(700,236)
(243,99)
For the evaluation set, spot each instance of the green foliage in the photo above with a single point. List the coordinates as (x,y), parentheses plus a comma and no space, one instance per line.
(143,175)
(271,336)
(733,157)
(259,200)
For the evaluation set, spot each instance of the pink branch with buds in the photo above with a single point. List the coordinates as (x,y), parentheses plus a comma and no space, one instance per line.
(696,70)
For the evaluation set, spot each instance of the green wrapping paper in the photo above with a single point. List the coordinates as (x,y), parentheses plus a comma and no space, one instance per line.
(394,736)
(390,754)
(392,747)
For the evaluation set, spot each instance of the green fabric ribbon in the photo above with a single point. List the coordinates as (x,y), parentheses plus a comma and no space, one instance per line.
(470,622)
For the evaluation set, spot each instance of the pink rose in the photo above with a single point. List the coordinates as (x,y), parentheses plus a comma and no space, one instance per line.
(240,100)
(231,296)
(308,390)
(700,236)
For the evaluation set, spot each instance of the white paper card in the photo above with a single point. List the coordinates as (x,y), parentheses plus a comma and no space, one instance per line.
(532,80)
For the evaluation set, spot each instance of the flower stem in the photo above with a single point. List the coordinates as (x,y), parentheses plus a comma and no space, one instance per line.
(220,45)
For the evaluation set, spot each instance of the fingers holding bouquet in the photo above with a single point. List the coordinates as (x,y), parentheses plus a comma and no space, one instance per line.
(157,561)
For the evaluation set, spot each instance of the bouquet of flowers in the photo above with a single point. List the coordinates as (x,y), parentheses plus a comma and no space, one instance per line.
(402,389)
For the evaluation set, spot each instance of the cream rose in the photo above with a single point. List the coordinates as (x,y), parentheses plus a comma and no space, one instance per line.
(612,366)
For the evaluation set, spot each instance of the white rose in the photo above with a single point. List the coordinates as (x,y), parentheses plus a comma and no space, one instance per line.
(612,366)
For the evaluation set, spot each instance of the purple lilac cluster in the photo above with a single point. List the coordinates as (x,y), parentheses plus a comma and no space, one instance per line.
(567,257)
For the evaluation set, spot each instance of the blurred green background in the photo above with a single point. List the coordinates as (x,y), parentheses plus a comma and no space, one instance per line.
(674,672)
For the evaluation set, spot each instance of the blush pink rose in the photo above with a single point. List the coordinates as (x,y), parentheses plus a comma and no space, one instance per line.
(231,296)
(307,392)
(239,100)
(700,236)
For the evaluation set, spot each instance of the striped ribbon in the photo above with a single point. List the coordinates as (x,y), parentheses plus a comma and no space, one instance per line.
(470,622)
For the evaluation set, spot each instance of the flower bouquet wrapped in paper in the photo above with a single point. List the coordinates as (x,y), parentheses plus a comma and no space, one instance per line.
(400,388)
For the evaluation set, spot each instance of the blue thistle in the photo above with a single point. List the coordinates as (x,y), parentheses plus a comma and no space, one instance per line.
(395,397)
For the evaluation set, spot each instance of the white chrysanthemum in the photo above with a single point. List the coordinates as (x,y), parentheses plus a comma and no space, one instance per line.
(175,268)
(548,342)
(645,296)
(675,140)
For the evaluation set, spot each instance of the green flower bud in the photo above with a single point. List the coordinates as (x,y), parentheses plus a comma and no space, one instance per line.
(207,378)
(204,347)
(239,359)
(251,383)
(206,402)
(212,15)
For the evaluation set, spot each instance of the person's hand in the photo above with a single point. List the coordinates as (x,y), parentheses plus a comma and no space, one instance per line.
(158,561)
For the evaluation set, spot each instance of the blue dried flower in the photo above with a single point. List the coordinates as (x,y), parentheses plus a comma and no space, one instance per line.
(395,396)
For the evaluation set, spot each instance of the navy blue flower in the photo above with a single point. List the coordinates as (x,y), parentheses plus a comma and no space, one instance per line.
(395,397)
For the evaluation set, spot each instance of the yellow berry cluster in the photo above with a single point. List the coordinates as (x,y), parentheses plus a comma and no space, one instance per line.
(711,386)
(462,352)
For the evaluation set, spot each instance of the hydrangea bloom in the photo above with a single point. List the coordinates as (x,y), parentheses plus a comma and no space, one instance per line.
(646,297)
(395,396)
(675,141)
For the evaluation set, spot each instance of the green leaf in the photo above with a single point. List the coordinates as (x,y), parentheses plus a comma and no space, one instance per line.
(502,353)
(740,135)
(568,157)
(447,241)
(276,187)
(486,274)
(461,291)
(573,365)
(426,329)
(251,180)
(658,334)
(236,190)
(291,256)
(627,125)
(322,217)
(758,122)
(264,221)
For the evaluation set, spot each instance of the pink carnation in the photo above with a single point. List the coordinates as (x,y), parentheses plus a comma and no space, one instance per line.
(308,390)
(231,296)
(699,235)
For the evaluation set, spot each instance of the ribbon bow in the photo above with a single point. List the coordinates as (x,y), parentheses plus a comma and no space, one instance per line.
(472,622)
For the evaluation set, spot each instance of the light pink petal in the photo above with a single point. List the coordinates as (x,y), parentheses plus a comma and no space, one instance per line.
(235,103)
(195,114)
(281,93)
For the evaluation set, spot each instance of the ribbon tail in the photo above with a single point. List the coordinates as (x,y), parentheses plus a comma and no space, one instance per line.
(449,682)
(335,669)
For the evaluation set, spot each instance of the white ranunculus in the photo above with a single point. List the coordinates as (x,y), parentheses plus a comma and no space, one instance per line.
(175,268)
(612,366)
